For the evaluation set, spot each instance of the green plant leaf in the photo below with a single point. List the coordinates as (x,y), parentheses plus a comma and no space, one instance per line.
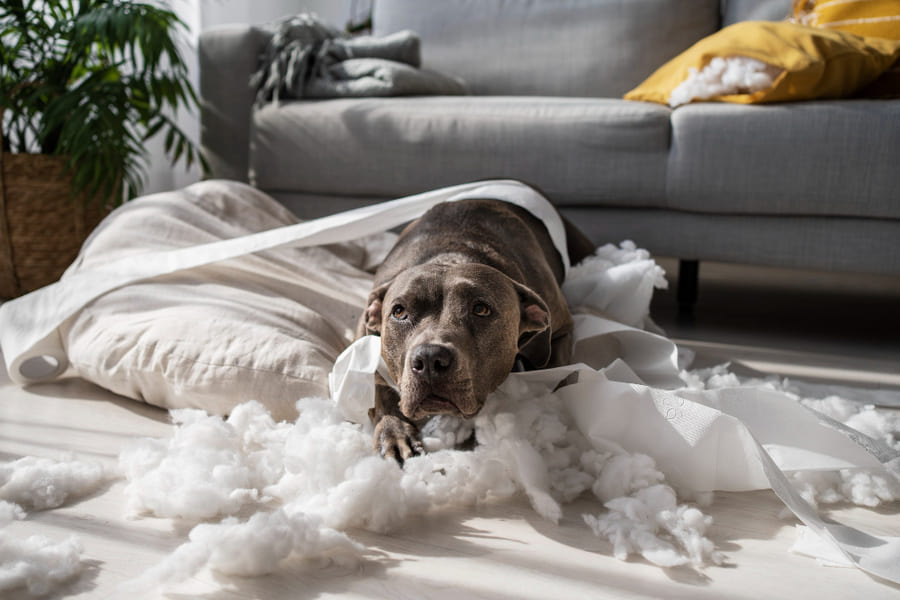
(93,80)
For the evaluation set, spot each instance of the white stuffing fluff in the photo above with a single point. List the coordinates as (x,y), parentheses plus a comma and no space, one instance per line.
(9,512)
(652,524)
(251,548)
(617,281)
(208,468)
(42,483)
(724,76)
(321,474)
(36,562)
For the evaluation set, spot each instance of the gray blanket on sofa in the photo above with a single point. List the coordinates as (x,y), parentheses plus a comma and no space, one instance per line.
(307,58)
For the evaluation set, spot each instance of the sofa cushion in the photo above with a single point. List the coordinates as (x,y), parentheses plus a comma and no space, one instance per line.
(812,158)
(822,243)
(576,150)
(598,48)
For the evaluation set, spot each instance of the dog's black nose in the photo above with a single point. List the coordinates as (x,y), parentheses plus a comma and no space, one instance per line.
(430,360)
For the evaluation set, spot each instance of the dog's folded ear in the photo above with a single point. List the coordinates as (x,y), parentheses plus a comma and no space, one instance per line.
(534,327)
(374,309)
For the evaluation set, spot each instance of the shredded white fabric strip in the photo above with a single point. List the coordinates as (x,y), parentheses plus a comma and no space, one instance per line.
(29,326)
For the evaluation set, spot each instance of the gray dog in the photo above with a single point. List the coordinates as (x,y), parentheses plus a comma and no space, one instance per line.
(468,289)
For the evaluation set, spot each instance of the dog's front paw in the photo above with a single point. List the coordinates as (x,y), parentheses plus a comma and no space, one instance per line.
(397,439)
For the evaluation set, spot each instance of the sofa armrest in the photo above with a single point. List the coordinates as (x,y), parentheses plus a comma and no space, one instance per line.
(228,56)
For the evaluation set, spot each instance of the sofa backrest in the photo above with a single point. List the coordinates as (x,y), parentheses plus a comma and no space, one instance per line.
(754,10)
(593,48)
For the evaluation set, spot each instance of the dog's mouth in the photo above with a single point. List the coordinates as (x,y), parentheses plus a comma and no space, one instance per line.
(432,404)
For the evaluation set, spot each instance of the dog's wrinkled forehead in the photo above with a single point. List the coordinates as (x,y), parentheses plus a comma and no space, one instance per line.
(432,285)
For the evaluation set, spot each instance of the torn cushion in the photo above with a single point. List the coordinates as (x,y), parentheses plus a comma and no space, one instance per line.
(266,326)
(814,63)
(874,18)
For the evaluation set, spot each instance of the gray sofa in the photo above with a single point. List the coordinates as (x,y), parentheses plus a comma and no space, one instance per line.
(809,184)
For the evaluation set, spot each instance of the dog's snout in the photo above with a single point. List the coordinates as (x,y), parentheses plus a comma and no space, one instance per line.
(431,360)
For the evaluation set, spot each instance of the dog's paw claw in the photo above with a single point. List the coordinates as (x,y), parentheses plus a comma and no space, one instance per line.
(397,439)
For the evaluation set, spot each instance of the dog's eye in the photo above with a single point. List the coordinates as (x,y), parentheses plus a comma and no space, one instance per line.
(398,312)
(480,309)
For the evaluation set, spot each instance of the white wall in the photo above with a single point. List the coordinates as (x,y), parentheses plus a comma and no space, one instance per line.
(219,12)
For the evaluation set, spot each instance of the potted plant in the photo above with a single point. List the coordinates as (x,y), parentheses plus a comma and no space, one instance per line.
(83,85)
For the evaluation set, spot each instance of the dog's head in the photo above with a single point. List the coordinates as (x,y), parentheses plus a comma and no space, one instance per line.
(450,334)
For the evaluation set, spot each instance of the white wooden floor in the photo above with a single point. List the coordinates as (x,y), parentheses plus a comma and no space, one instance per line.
(502,551)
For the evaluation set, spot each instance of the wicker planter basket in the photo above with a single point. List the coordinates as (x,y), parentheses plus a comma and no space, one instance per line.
(41,226)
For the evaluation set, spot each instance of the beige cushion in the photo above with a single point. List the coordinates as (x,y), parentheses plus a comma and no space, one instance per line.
(266,327)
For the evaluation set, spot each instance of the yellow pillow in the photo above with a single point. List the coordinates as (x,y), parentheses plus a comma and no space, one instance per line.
(817,63)
(876,18)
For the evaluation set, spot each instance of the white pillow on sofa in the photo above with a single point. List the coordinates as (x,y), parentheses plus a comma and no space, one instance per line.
(266,327)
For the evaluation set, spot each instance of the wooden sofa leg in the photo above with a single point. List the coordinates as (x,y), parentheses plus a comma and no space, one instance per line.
(688,282)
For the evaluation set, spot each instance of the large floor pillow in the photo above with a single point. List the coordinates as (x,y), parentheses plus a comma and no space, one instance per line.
(266,327)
